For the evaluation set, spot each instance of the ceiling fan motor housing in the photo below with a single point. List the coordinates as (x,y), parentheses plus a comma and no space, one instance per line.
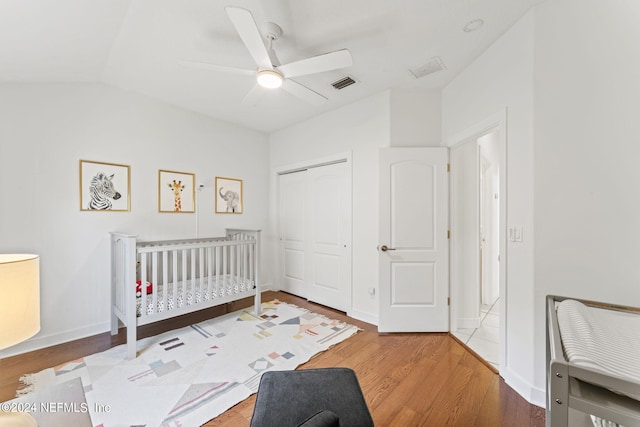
(271,31)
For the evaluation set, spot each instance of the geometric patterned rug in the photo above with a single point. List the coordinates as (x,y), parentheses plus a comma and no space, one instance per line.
(189,376)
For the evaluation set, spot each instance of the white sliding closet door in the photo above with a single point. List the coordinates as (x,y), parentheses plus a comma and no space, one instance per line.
(330,236)
(315,234)
(293,231)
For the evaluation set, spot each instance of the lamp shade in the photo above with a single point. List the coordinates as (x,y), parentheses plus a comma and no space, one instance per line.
(19,298)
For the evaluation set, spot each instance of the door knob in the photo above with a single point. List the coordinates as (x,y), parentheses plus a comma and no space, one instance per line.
(385,248)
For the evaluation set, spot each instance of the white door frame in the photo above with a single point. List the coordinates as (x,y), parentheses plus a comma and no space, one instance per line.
(499,121)
(300,166)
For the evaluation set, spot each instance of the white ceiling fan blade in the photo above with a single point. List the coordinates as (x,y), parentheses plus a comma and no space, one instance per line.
(252,98)
(216,67)
(318,64)
(246,26)
(303,92)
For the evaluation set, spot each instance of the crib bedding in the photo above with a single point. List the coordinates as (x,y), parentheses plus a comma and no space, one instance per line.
(601,339)
(191,294)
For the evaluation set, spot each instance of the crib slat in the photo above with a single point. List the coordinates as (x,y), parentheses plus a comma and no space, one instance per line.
(232,267)
(210,250)
(154,282)
(165,276)
(183,263)
(251,272)
(245,258)
(143,280)
(143,289)
(192,273)
(174,283)
(225,260)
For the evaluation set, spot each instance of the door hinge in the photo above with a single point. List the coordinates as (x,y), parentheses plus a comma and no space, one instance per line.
(448,234)
(448,300)
(448,167)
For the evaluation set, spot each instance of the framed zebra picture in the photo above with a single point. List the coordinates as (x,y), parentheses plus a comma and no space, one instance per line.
(104,187)
(176,192)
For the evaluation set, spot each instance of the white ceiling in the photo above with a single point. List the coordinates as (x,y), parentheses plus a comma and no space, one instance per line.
(137,45)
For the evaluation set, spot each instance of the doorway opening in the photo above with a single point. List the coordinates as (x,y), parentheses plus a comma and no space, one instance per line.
(476,182)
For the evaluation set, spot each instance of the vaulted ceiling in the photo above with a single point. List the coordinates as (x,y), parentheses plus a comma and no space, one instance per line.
(145,46)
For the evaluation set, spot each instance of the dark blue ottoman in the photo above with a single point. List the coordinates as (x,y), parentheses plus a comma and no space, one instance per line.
(311,398)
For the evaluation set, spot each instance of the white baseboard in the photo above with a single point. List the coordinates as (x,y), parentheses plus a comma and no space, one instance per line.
(531,394)
(39,342)
(363,316)
(468,322)
(266,287)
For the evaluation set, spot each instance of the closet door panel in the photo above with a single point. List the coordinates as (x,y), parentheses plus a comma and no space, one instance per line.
(293,233)
(330,234)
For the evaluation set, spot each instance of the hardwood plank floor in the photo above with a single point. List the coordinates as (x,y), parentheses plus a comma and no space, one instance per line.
(407,379)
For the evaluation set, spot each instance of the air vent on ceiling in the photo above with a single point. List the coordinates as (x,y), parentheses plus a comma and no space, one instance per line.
(434,64)
(344,82)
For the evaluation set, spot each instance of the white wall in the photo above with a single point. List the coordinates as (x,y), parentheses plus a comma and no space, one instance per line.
(415,117)
(45,129)
(502,78)
(361,128)
(586,154)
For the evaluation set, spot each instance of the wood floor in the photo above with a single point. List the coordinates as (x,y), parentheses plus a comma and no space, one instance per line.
(407,379)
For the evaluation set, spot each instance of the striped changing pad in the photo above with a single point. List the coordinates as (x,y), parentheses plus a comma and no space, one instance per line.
(601,339)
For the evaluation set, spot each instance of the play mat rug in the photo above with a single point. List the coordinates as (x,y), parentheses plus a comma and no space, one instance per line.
(188,376)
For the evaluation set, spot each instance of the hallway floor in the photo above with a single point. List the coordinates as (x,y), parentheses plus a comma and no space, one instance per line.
(485,339)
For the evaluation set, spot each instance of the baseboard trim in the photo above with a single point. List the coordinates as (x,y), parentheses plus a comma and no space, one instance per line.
(468,323)
(363,316)
(40,342)
(531,394)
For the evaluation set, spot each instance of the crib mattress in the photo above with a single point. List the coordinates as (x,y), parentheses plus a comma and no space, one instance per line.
(227,285)
(601,339)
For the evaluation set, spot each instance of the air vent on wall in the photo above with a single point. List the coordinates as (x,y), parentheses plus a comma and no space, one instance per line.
(342,83)
(433,65)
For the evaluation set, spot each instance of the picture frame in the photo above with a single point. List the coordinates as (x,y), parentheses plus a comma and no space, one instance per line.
(228,195)
(176,192)
(104,186)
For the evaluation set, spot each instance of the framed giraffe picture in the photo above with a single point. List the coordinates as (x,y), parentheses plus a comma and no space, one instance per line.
(104,187)
(228,195)
(176,192)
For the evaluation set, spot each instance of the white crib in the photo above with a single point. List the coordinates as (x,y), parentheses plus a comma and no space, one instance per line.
(153,281)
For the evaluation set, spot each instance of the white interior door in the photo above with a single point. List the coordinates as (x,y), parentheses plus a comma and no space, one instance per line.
(413,251)
(315,234)
(293,232)
(330,236)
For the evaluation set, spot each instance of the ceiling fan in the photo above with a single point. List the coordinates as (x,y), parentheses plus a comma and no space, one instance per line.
(269,72)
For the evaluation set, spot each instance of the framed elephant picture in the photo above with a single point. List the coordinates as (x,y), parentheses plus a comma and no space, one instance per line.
(228,195)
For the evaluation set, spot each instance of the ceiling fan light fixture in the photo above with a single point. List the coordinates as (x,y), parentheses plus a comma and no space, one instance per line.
(270,79)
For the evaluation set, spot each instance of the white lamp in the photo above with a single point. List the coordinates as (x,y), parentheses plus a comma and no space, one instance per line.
(19,312)
(270,79)
(19,298)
